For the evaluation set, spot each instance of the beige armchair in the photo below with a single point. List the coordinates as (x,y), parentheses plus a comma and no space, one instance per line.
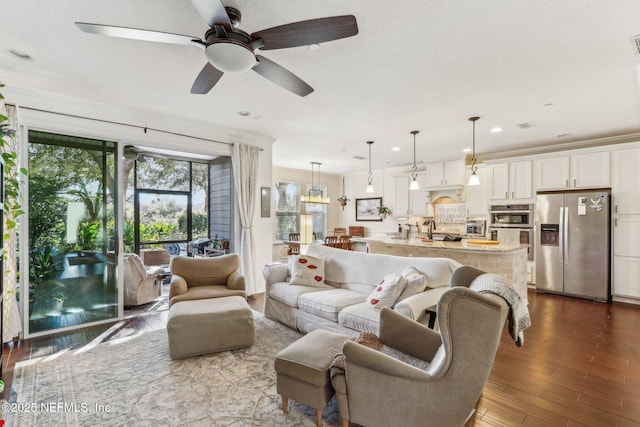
(443,389)
(201,278)
(141,284)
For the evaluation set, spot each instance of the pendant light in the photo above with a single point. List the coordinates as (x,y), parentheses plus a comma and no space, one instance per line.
(474,179)
(414,182)
(315,194)
(370,181)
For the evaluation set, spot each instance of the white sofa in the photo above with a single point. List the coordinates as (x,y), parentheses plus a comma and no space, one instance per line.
(349,277)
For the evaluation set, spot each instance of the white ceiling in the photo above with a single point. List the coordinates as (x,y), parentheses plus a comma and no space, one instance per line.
(566,67)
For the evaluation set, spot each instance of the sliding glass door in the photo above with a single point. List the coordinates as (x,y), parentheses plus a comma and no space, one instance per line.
(72,232)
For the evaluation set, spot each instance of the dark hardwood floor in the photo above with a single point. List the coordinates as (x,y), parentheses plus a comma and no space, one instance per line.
(579,366)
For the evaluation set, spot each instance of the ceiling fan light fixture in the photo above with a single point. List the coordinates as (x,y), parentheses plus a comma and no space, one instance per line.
(230,56)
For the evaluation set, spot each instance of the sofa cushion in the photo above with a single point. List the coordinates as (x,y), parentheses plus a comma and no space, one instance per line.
(416,282)
(289,294)
(306,270)
(387,291)
(328,303)
(359,317)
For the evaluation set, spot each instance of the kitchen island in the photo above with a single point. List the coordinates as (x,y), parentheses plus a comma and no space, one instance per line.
(507,260)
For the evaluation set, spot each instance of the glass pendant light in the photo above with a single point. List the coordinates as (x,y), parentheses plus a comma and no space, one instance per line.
(414,182)
(370,180)
(474,179)
(315,194)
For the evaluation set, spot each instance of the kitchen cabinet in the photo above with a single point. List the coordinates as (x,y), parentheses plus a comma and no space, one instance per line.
(626,271)
(580,170)
(445,174)
(409,202)
(626,255)
(511,181)
(625,181)
(477,196)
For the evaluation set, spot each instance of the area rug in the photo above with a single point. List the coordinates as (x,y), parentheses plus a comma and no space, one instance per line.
(134,382)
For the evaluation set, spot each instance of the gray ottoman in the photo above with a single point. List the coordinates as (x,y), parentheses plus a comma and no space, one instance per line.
(209,325)
(303,369)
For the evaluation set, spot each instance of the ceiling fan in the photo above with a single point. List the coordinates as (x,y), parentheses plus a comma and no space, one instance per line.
(228,49)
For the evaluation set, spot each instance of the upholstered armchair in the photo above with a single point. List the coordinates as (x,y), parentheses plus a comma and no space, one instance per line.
(200,278)
(435,378)
(141,284)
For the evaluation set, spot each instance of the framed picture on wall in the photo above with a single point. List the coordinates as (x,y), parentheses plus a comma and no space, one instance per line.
(367,209)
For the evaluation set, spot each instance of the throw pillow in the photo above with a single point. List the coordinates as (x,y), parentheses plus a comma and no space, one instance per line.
(416,283)
(387,291)
(306,270)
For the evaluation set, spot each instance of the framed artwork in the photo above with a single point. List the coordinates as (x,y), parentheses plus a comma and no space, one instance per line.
(367,209)
(265,202)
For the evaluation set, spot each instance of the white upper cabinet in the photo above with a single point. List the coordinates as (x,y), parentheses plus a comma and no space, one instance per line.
(511,181)
(582,170)
(445,174)
(477,196)
(625,177)
(552,173)
(409,202)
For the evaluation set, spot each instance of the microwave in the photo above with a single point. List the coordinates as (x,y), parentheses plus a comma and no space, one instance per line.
(512,216)
(476,228)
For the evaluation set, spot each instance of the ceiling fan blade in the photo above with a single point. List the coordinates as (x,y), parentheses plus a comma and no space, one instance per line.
(304,33)
(137,34)
(206,80)
(281,76)
(213,12)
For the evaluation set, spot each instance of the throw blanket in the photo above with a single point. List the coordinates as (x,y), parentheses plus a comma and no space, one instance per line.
(519,319)
(367,339)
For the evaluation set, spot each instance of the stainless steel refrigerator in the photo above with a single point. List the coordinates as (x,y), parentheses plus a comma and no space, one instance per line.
(573,243)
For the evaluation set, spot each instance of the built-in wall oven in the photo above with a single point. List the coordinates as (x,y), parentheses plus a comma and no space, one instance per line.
(516,218)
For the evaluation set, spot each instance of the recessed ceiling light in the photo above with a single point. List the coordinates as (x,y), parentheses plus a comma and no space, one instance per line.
(314,46)
(244,113)
(549,104)
(395,149)
(19,54)
(496,129)
(466,150)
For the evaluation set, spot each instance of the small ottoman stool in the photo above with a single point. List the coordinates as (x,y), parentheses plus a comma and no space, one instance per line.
(303,369)
(203,326)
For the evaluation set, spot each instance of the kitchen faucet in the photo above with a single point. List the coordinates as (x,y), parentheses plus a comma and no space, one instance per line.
(431,225)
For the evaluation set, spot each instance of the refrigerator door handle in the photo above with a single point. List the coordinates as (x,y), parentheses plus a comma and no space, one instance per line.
(561,235)
(565,230)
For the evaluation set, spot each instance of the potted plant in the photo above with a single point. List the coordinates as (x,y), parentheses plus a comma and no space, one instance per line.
(343,200)
(384,212)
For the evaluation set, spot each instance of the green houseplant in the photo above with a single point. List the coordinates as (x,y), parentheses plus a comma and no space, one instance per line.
(343,200)
(384,212)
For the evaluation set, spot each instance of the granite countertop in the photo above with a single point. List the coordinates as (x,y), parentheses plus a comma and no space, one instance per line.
(462,245)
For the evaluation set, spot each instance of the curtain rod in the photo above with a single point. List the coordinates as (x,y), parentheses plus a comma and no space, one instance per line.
(144,128)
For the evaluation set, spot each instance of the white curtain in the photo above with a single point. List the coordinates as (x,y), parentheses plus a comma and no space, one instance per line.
(11,323)
(244,159)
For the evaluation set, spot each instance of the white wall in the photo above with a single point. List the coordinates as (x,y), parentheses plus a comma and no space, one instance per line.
(355,185)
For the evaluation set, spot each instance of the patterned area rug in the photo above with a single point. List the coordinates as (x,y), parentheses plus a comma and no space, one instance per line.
(134,382)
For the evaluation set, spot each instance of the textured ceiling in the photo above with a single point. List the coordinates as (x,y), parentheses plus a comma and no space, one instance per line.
(566,68)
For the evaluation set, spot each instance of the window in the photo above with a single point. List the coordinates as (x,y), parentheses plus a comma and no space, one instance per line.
(287,208)
(287,202)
